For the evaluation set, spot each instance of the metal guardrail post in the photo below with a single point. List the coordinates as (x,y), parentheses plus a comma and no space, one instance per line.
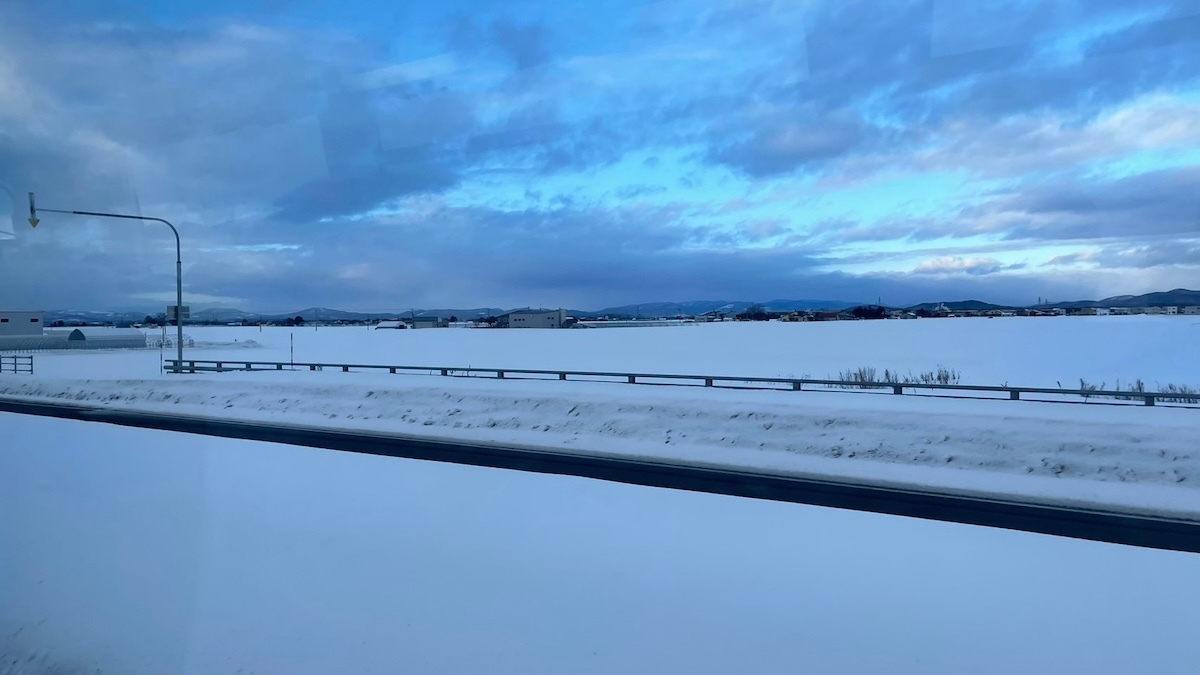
(1014,395)
(897,389)
(1149,400)
(500,374)
(632,379)
(796,386)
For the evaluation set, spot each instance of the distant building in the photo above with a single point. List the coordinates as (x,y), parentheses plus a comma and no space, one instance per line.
(427,322)
(533,318)
(1094,311)
(392,325)
(1171,310)
(1193,310)
(1120,311)
(14,323)
(1155,310)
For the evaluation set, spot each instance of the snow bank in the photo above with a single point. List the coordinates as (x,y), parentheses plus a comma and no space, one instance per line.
(1132,457)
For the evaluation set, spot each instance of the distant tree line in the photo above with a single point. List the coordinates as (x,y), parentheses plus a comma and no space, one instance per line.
(869,312)
(756,312)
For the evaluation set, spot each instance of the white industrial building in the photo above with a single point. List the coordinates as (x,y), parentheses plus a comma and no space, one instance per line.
(16,323)
(22,331)
(533,318)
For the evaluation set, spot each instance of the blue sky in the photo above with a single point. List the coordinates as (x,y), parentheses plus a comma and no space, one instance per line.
(453,154)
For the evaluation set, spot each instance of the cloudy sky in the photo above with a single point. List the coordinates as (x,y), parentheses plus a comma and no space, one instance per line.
(587,154)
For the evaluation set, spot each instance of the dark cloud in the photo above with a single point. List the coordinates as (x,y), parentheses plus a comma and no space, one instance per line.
(1149,35)
(1153,205)
(1159,203)
(877,60)
(524,45)
(535,139)
(1158,254)
(635,191)
(528,45)
(784,141)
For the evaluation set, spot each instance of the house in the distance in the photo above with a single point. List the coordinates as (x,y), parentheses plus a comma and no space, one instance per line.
(533,318)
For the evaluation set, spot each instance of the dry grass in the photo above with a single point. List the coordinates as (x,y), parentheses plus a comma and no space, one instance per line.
(873,379)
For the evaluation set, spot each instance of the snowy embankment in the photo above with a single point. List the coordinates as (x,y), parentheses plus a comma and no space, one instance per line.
(1143,459)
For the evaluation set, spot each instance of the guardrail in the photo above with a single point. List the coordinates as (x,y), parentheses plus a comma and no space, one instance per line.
(16,364)
(796,384)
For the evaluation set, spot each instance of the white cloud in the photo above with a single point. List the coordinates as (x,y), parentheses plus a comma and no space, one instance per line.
(958,265)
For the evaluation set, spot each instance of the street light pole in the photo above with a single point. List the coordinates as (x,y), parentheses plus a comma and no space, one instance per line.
(34,220)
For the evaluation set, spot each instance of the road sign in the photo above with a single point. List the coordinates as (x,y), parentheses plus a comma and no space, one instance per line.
(187,312)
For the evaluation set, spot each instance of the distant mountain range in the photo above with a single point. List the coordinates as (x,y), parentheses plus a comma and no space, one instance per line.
(1178,296)
(697,307)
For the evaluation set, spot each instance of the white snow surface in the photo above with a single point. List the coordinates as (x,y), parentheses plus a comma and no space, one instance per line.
(141,552)
(1124,456)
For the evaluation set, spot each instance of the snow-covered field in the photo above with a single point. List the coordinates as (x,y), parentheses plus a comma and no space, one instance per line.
(136,552)
(1126,456)
(1021,351)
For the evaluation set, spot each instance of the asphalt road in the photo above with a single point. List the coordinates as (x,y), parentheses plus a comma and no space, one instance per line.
(1104,526)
